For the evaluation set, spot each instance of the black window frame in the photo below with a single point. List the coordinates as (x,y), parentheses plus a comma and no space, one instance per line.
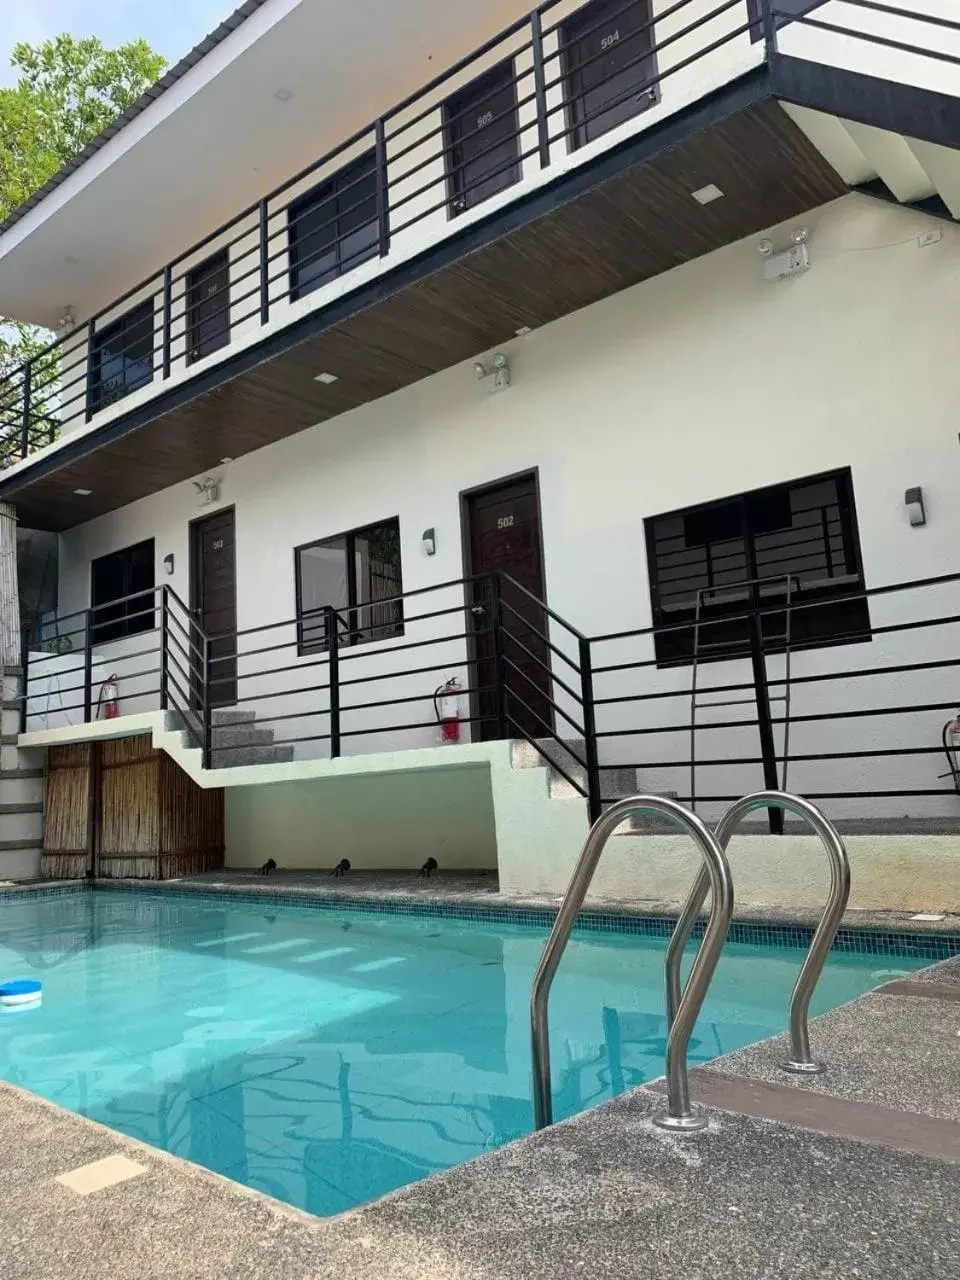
(199,346)
(579,130)
(142,316)
(460,124)
(131,612)
(350,632)
(724,631)
(336,197)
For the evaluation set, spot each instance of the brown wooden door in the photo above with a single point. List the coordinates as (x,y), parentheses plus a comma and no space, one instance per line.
(208,306)
(504,538)
(214,597)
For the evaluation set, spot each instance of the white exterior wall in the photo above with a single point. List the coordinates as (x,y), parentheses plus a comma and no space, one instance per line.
(693,386)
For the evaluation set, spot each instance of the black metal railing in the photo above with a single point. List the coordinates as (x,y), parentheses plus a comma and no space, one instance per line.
(327,682)
(420,160)
(864,710)
(865,714)
(357,203)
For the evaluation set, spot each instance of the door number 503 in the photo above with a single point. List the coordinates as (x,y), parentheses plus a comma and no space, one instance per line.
(505,522)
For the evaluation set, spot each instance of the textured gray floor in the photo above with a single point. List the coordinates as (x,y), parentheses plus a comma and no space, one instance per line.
(605,1195)
(895,1051)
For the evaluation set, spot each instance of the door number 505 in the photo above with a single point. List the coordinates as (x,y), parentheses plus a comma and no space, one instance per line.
(504,522)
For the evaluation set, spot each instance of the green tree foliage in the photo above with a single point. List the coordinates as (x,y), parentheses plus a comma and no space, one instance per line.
(68,91)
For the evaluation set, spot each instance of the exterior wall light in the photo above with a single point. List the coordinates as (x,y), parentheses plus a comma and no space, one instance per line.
(428,542)
(168,563)
(913,501)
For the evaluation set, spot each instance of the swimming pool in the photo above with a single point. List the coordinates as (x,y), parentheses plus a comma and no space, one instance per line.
(327,1057)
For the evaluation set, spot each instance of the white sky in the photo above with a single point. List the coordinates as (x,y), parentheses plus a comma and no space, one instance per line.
(172,27)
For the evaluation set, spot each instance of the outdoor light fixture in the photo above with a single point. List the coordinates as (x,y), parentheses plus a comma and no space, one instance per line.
(913,501)
(428,542)
(208,490)
(498,373)
(800,235)
(168,563)
(765,248)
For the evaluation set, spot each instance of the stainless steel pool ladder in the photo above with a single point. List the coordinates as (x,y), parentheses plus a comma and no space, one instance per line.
(684,1003)
(800,1061)
(679,1116)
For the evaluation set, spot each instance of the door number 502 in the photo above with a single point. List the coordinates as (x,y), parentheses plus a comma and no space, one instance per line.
(505,522)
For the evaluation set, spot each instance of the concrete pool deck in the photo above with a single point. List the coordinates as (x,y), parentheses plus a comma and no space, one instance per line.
(855,1173)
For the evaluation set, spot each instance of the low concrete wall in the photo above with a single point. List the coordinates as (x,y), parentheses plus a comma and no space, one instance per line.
(888,872)
(387,820)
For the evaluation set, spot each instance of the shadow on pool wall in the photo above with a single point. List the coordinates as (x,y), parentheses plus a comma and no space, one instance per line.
(385,822)
(488,815)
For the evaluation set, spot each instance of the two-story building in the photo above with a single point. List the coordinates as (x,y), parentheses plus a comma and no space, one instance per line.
(598,359)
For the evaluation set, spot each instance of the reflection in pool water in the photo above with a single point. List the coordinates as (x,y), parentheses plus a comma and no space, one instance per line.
(327,1058)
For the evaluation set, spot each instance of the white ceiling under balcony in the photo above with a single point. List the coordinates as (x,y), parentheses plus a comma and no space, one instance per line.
(220,138)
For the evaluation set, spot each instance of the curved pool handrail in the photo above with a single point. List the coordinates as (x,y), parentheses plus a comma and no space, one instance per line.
(716,872)
(801,1061)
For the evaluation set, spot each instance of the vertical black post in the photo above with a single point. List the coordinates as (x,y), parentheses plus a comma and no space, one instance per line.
(88,668)
(93,376)
(167,323)
(540,88)
(264,262)
(25,425)
(590,731)
(768,26)
(499,657)
(164,650)
(383,189)
(205,708)
(24,676)
(333,650)
(768,751)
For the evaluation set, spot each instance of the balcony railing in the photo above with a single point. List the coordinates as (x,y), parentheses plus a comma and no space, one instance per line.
(859,726)
(543,95)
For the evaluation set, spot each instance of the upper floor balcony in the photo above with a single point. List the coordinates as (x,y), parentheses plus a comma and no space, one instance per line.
(581,149)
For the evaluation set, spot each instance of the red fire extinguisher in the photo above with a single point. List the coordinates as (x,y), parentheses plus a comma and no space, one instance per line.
(446,704)
(108,702)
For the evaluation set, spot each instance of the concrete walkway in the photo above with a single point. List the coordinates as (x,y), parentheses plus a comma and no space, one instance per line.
(853,1174)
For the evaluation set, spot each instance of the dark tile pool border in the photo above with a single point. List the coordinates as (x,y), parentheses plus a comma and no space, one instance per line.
(861,941)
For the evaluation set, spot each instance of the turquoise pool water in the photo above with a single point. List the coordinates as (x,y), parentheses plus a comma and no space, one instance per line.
(329,1058)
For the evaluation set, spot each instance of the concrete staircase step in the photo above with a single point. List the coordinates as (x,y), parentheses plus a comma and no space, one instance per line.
(232,757)
(240,735)
(36,807)
(231,715)
(20,775)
